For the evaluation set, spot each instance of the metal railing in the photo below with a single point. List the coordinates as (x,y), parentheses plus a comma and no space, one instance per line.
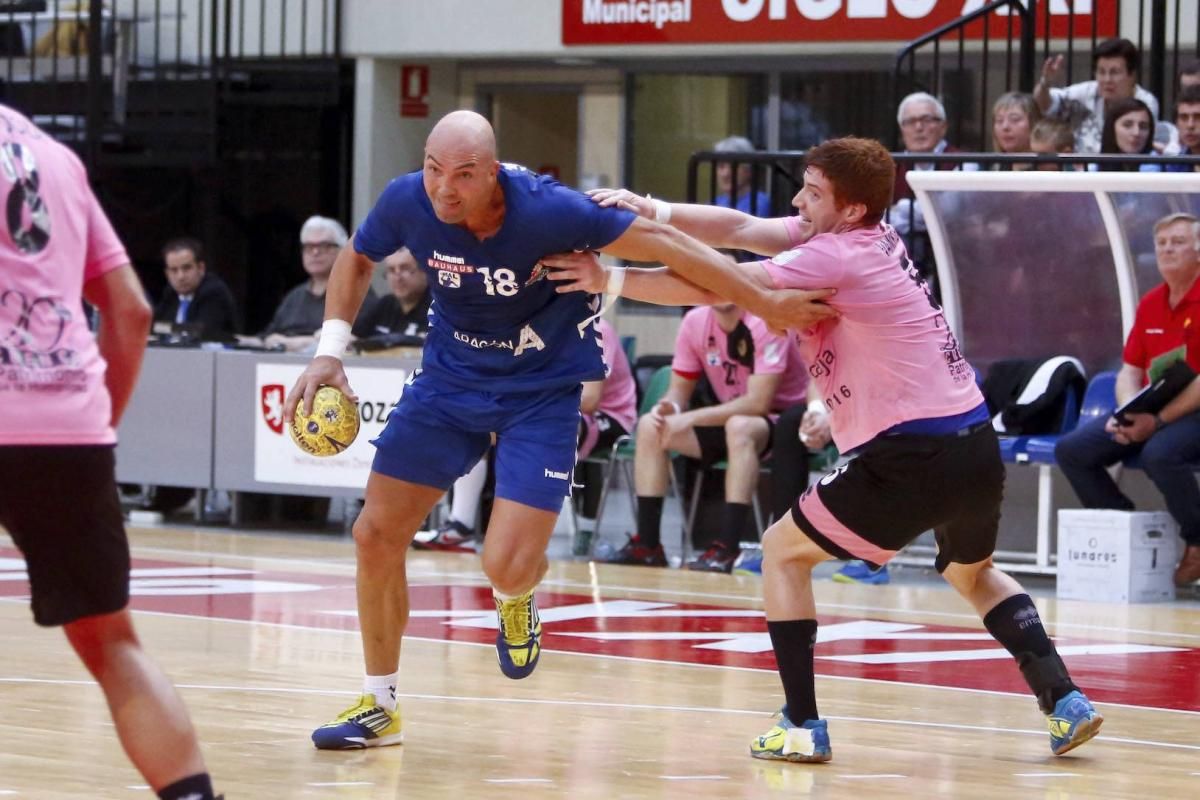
(102,74)
(1000,47)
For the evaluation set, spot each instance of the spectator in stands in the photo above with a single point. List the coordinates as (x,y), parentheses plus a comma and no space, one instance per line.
(405,310)
(1187,119)
(752,373)
(922,120)
(302,312)
(1053,137)
(1168,442)
(1115,67)
(1128,130)
(747,197)
(1189,75)
(607,411)
(1014,115)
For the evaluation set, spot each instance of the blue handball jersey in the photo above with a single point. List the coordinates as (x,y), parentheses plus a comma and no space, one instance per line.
(495,322)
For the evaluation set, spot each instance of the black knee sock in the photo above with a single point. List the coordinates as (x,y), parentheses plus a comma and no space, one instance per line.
(196,787)
(736,515)
(793,641)
(1015,623)
(649,520)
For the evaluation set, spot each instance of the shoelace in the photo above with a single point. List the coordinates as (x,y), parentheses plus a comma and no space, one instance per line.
(516,615)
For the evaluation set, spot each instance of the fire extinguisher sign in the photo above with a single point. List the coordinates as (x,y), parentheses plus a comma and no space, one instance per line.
(414,90)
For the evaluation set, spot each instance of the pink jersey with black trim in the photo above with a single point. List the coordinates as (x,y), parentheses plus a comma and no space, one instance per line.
(56,239)
(890,357)
(702,347)
(618,398)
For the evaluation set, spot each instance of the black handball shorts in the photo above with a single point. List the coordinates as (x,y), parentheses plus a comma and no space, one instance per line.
(60,505)
(902,485)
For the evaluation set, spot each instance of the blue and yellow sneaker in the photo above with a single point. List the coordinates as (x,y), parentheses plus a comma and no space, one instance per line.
(859,572)
(518,641)
(787,741)
(366,724)
(1073,721)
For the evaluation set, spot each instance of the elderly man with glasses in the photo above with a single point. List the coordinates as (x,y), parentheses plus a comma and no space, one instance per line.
(302,311)
(922,120)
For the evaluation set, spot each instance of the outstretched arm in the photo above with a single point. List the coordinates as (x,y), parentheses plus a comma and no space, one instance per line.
(713,225)
(705,267)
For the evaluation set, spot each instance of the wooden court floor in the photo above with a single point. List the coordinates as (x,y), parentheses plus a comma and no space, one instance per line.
(651,684)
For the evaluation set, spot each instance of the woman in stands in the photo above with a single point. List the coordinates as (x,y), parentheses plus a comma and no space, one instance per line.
(1128,130)
(1014,115)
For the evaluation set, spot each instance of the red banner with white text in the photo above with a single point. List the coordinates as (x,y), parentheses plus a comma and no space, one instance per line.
(715,21)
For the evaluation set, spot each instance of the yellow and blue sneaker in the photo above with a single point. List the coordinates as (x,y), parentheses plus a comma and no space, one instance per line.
(366,724)
(1073,721)
(518,643)
(860,572)
(787,741)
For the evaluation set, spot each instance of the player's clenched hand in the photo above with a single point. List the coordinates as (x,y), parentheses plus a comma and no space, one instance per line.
(321,371)
(577,272)
(623,198)
(797,309)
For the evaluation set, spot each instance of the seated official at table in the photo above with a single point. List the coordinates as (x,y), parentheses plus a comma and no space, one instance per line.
(403,312)
(302,311)
(194,299)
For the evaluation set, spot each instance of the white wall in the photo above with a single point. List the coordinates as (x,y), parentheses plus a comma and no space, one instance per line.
(386,144)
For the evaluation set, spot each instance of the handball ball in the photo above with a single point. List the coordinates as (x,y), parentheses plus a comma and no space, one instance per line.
(330,428)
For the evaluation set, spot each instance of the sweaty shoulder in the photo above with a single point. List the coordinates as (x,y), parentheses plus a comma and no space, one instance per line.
(587,226)
(384,231)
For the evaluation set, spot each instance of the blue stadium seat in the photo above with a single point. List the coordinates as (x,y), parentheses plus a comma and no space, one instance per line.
(1015,449)
(1098,401)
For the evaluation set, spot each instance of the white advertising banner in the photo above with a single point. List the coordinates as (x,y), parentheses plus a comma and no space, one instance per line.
(277,459)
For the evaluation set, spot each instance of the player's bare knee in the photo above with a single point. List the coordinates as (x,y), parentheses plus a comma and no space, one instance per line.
(783,541)
(376,540)
(511,573)
(965,577)
(97,639)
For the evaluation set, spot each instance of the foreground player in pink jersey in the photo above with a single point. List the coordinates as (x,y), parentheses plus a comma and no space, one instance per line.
(902,399)
(63,391)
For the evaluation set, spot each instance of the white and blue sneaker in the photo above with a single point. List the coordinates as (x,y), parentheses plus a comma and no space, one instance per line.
(749,562)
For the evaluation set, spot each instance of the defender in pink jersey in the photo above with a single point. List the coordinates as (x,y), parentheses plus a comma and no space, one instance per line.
(902,398)
(63,391)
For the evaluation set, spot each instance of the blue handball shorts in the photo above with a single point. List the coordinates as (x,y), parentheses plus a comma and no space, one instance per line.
(437,432)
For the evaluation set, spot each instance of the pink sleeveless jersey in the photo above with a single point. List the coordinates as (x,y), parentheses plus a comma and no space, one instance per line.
(618,398)
(56,239)
(890,357)
(702,347)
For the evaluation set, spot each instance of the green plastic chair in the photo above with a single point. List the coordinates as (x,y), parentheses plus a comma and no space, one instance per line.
(620,456)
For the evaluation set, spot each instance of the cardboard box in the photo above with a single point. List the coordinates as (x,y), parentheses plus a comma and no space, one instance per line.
(1117,556)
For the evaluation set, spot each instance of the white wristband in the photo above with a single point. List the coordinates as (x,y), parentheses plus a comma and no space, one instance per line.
(674,405)
(662,211)
(335,336)
(616,280)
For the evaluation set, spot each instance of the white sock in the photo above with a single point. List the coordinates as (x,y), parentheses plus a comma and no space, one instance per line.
(384,689)
(467,491)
